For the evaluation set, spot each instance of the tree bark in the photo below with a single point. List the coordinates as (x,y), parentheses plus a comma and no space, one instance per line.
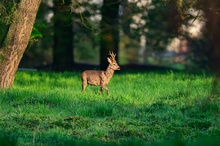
(17,40)
(109,30)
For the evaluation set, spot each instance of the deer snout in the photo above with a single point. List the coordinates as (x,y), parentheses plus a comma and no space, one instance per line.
(118,68)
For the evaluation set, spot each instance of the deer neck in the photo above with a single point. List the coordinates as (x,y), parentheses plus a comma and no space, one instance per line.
(109,72)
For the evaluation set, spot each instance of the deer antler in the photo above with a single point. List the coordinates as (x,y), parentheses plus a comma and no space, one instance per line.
(112,55)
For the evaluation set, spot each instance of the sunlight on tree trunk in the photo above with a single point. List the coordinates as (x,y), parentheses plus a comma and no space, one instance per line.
(17,40)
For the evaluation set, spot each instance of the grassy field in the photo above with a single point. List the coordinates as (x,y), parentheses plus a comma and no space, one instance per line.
(46,108)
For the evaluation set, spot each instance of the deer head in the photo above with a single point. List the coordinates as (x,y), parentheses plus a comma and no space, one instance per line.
(112,62)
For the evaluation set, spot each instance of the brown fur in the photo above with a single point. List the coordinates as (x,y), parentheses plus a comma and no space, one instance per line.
(100,78)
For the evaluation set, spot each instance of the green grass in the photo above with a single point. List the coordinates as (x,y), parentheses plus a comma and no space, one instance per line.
(49,108)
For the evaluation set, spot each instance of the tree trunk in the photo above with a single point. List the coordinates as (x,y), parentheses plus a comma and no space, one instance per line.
(17,40)
(63,37)
(212,33)
(109,30)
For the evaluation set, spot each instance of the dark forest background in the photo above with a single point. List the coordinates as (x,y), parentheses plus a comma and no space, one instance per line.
(73,33)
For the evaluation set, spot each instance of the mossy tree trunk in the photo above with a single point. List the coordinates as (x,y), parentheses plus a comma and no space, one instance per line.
(17,40)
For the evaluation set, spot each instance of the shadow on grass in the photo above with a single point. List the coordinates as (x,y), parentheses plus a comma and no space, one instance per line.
(210,141)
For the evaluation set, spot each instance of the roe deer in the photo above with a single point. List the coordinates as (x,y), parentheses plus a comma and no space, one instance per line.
(100,78)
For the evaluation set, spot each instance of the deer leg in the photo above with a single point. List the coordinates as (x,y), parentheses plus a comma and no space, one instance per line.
(101,89)
(84,83)
(104,87)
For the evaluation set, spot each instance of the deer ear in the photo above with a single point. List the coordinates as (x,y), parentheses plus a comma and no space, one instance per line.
(109,60)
